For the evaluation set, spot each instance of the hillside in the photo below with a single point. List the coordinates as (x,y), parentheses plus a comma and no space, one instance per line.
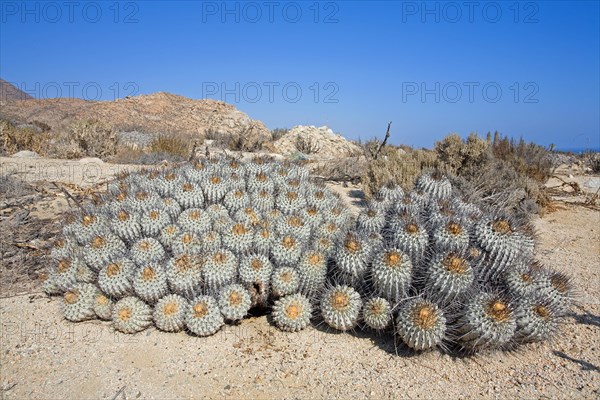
(155,113)
(9,92)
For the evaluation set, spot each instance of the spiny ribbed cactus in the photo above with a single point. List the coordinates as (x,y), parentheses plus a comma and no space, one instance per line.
(286,250)
(312,271)
(184,274)
(147,250)
(487,321)
(435,184)
(284,281)
(219,269)
(150,282)
(537,319)
(116,278)
(234,302)
(131,315)
(377,313)
(352,258)
(448,276)
(169,313)
(202,316)
(391,274)
(79,301)
(197,245)
(340,307)
(103,306)
(420,324)
(292,313)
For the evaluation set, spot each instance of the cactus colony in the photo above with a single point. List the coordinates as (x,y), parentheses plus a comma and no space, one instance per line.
(196,246)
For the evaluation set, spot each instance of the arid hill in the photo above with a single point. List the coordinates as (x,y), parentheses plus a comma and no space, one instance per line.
(9,92)
(155,113)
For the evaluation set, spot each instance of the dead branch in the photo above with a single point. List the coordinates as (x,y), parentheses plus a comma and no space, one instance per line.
(387,135)
(193,152)
(68,195)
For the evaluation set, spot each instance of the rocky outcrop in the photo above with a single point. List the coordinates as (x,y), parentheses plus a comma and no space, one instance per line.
(315,142)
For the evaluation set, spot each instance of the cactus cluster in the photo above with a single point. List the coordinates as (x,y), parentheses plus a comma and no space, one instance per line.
(195,246)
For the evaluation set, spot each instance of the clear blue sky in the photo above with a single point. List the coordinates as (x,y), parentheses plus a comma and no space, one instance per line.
(528,69)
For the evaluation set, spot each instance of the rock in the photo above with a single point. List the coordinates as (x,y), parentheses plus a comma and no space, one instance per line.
(322,142)
(26,154)
(89,160)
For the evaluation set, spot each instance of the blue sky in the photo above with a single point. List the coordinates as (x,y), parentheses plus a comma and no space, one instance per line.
(528,69)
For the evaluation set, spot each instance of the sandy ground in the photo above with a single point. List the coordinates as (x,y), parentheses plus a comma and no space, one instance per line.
(44,356)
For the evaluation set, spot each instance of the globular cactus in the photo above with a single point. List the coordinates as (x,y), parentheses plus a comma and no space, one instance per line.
(421,324)
(103,306)
(234,302)
(171,207)
(150,282)
(377,313)
(255,274)
(284,281)
(391,193)
(410,236)
(237,199)
(189,195)
(340,307)
(203,317)
(214,187)
(101,249)
(78,304)
(435,184)
(312,271)
(263,240)
(153,221)
(116,278)
(147,250)
(187,243)
(195,220)
(263,200)
(131,315)
(449,276)
(292,313)
(169,313)
(556,288)
(370,221)
(487,321)
(391,274)
(184,275)
(211,241)
(352,258)
(451,236)
(238,238)
(525,280)
(290,201)
(286,250)
(126,225)
(219,269)
(537,319)
(168,235)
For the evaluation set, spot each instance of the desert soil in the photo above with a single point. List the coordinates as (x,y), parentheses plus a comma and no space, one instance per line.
(44,356)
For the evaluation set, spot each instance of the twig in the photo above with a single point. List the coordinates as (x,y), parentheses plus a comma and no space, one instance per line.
(387,135)
(193,152)
(66,193)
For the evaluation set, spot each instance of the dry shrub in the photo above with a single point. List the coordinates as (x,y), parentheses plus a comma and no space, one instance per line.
(278,133)
(170,144)
(592,161)
(307,145)
(502,174)
(395,167)
(84,138)
(463,157)
(15,139)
